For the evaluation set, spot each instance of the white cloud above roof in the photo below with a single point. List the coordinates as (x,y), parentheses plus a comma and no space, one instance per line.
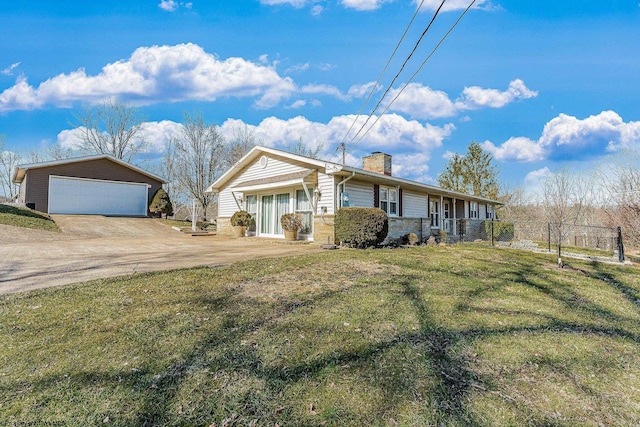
(363,5)
(161,74)
(456,5)
(422,102)
(566,137)
(475,97)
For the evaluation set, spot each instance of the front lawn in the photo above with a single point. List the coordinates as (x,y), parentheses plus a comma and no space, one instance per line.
(454,335)
(27,218)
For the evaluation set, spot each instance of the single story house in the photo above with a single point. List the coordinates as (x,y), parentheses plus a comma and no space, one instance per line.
(91,185)
(268,183)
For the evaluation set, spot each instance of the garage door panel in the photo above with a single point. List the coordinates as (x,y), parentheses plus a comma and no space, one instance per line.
(88,196)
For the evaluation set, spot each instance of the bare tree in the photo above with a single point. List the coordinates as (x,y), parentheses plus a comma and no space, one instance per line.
(243,141)
(620,189)
(9,160)
(567,200)
(200,157)
(111,128)
(304,150)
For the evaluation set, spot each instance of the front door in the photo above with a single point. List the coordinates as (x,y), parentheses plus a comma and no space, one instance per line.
(447,215)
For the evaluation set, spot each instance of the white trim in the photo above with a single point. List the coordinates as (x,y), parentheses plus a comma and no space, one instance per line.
(22,169)
(269,186)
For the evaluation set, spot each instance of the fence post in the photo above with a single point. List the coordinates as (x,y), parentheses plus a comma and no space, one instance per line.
(549,235)
(620,246)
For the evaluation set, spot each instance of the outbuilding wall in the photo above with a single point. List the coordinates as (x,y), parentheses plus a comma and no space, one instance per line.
(36,182)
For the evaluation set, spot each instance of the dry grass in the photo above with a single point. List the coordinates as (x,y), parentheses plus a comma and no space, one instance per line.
(462,335)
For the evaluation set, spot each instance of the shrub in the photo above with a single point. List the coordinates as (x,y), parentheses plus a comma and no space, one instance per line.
(161,204)
(241,219)
(361,227)
(291,222)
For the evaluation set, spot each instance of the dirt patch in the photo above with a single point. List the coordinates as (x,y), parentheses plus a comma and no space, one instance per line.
(313,281)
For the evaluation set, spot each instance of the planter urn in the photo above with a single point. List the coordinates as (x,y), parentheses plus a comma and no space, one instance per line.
(239,230)
(291,235)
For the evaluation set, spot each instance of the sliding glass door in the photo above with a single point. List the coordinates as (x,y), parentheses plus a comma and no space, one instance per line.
(272,207)
(266,218)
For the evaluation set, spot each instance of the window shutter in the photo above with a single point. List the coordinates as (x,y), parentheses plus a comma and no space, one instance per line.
(400,202)
(376,196)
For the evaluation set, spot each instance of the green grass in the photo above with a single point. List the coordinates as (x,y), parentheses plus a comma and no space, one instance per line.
(27,218)
(454,335)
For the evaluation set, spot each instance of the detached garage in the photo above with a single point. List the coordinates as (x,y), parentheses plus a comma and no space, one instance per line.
(94,185)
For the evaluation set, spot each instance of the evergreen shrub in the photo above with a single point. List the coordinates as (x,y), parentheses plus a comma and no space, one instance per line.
(361,227)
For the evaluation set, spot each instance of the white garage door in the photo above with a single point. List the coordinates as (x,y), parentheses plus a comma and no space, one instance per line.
(96,197)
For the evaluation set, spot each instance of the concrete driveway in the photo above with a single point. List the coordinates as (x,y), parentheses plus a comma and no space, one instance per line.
(92,247)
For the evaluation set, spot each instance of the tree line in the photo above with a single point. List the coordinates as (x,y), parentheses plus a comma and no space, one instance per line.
(198,155)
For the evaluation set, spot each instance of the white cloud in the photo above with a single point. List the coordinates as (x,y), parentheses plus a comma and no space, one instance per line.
(317,10)
(415,165)
(456,5)
(392,134)
(160,74)
(297,104)
(475,97)
(172,5)
(519,148)
(168,5)
(324,90)
(156,134)
(9,70)
(422,102)
(363,5)
(297,68)
(569,138)
(359,91)
(294,3)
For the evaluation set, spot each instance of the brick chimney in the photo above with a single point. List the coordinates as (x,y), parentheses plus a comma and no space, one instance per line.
(377,162)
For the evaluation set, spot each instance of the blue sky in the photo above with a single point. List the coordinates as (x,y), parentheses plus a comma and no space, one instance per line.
(542,85)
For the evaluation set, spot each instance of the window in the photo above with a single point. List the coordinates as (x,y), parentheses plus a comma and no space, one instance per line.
(252,208)
(490,212)
(389,200)
(305,210)
(473,208)
(434,209)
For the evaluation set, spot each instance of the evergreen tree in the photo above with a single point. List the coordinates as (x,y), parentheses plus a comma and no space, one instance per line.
(474,173)
(161,204)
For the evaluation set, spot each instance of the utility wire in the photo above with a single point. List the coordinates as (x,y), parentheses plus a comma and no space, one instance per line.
(415,47)
(419,69)
(373,88)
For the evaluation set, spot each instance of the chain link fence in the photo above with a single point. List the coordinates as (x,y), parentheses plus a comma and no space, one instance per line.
(565,239)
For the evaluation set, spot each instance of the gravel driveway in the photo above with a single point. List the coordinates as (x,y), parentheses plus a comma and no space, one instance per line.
(92,247)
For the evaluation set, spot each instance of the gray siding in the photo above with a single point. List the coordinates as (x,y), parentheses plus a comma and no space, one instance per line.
(360,194)
(414,205)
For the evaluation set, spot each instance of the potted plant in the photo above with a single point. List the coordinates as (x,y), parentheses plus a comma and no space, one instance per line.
(291,223)
(240,221)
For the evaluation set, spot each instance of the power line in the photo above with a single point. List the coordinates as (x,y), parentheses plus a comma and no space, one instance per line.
(373,88)
(418,71)
(415,47)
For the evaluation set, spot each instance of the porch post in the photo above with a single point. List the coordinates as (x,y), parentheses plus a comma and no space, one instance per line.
(455,225)
(441,212)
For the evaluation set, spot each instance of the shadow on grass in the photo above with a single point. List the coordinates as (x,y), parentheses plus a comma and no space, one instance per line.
(225,350)
(12,210)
